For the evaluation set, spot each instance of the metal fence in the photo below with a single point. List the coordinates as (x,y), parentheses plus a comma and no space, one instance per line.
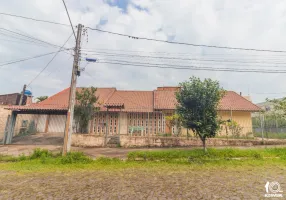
(269,126)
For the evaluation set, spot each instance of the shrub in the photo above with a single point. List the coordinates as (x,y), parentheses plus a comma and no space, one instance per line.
(75,157)
(40,153)
(22,157)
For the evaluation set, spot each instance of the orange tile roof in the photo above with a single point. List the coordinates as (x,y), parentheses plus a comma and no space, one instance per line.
(59,101)
(165,100)
(234,101)
(137,101)
(133,101)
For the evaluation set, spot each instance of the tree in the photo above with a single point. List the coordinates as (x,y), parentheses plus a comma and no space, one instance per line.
(197,107)
(85,107)
(41,98)
(279,106)
(174,120)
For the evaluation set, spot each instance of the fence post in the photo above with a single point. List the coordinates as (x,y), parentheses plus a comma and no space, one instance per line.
(106,130)
(262,127)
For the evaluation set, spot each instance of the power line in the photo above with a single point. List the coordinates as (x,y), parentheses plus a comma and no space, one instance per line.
(33,38)
(30,39)
(212,64)
(144,38)
(49,61)
(180,67)
(58,69)
(24,59)
(264,93)
(69,19)
(179,58)
(177,53)
(184,43)
(15,36)
(39,20)
(23,42)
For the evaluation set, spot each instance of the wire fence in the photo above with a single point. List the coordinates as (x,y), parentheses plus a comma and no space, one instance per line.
(269,126)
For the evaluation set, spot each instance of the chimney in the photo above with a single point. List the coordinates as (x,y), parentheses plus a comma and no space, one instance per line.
(29,100)
(240,93)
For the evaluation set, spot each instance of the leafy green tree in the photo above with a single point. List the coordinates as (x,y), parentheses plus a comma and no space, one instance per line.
(279,106)
(85,107)
(197,107)
(41,98)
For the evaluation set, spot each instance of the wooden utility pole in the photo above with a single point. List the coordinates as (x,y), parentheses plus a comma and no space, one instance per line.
(75,70)
(22,95)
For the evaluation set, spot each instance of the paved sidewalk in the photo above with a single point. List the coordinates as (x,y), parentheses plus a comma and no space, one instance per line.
(17,150)
(53,142)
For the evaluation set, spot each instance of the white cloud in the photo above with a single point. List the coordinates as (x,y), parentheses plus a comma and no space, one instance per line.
(249,24)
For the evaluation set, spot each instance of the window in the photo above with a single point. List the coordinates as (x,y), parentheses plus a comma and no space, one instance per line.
(24,123)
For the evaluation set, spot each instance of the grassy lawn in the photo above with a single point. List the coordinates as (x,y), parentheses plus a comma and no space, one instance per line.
(45,161)
(272,135)
(163,174)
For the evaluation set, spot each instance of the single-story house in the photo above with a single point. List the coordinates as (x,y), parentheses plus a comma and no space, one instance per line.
(10,99)
(131,112)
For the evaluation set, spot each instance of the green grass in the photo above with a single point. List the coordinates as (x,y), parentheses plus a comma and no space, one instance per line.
(212,154)
(272,135)
(45,161)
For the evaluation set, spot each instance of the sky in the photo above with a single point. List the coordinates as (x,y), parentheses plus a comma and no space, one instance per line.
(259,24)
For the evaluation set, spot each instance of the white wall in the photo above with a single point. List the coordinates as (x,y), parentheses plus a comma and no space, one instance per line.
(41,123)
(57,123)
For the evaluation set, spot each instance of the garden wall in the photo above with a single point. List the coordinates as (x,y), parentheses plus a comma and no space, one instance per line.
(127,141)
(90,140)
(87,140)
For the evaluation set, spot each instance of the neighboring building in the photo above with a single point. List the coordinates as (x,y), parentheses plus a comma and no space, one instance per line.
(9,99)
(267,106)
(131,112)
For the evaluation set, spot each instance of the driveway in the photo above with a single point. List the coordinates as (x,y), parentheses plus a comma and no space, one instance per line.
(26,144)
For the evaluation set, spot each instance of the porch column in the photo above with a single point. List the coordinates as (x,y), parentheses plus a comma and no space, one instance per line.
(10,131)
(91,127)
(6,128)
(47,123)
(119,121)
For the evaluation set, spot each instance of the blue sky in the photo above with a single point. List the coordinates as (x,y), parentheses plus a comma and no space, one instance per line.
(247,24)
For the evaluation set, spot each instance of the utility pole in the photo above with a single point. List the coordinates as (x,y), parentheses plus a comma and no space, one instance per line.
(75,73)
(22,95)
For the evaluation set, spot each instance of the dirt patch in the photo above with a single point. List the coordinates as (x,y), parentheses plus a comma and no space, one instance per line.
(153,183)
(39,139)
